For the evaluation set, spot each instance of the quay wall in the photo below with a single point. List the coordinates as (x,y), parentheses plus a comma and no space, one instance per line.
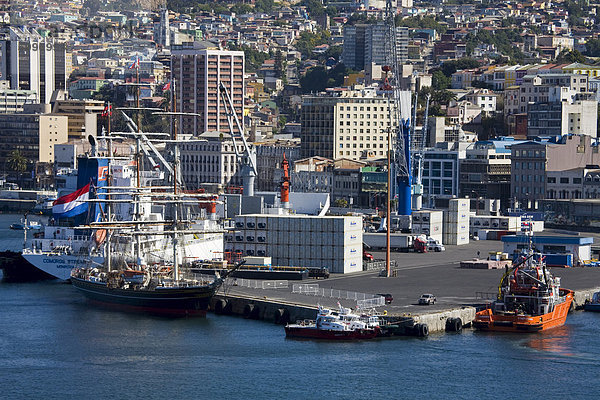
(261,308)
(436,321)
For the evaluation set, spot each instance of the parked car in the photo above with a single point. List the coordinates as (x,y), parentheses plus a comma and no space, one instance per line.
(318,273)
(367,256)
(427,299)
(388,297)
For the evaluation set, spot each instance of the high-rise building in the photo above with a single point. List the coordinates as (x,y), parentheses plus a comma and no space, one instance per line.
(352,124)
(367,44)
(30,61)
(197,73)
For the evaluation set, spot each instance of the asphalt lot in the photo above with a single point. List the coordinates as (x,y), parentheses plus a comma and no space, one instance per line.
(436,273)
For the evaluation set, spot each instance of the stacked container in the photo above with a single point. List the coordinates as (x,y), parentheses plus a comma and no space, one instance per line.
(301,241)
(429,223)
(456,222)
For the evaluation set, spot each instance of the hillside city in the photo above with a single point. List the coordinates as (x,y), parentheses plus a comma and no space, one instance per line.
(505,94)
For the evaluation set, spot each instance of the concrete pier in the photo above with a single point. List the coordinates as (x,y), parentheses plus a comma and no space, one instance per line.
(458,290)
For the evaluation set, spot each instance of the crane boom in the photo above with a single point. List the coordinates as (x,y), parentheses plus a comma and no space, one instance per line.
(248,167)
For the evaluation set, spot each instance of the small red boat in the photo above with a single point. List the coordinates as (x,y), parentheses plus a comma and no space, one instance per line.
(332,325)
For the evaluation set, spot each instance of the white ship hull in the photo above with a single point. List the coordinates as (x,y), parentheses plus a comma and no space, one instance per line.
(60,266)
(206,246)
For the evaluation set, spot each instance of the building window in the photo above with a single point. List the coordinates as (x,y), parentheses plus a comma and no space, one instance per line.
(564,180)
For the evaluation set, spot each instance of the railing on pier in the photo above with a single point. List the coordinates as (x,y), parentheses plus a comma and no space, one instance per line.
(254,284)
(486,296)
(363,300)
(378,265)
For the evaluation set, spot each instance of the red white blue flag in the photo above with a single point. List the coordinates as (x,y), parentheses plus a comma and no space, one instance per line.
(71,204)
(135,64)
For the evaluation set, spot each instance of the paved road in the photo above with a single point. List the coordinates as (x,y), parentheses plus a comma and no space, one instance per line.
(437,273)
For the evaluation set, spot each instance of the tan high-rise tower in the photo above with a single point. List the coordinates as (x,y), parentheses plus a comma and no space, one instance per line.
(197,72)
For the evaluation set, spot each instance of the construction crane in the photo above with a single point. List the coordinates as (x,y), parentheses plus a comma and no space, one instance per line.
(247,164)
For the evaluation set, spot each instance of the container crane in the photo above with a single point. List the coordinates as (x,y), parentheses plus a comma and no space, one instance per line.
(247,164)
(418,155)
(399,174)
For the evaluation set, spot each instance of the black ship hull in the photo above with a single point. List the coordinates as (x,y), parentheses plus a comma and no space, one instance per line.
(17,269)
(176,302)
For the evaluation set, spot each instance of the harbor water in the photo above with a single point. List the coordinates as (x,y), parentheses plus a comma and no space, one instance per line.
(53,345)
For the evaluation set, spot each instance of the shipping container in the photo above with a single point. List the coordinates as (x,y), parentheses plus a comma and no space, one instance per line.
(262,223)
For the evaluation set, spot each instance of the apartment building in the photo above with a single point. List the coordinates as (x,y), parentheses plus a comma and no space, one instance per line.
(365,44)
(532,161)
(485,170)
(12,101)
(211,159)
(33,135)
(197,72)
(347,123)
(563,118)
(83,116)
(269,156)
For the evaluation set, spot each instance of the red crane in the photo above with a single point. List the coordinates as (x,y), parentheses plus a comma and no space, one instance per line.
(285,183)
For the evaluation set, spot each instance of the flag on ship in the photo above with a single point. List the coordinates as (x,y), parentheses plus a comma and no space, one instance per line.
(135,64)
(72,204)
(107,112)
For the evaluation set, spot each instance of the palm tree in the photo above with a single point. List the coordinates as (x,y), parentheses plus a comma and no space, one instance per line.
(17,162)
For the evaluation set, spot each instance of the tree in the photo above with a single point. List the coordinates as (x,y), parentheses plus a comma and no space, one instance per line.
(241,8)
(342,203)
(17,162)
(439,81)
(450,67)
(264,5)
(315,80)
(308,41)
(570,56)
(315,7)
(592,48)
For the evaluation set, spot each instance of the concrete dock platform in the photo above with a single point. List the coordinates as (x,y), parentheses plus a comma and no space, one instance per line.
(457,289)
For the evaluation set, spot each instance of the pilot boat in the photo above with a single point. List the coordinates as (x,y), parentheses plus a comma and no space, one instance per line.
(334,325)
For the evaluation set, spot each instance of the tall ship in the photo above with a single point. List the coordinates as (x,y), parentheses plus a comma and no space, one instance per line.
(65,242)
(530,298)
(147,282)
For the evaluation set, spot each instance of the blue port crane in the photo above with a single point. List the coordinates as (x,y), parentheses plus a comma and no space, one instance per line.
(400,127)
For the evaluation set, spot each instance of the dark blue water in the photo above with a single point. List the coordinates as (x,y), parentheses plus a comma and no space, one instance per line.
(53,345)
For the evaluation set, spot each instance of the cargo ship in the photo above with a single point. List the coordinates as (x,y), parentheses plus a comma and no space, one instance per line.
(530,298)
(333,325)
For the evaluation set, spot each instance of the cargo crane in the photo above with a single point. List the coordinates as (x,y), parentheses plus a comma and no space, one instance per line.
(247,165)
(399,161)
(418,155)
(399,167)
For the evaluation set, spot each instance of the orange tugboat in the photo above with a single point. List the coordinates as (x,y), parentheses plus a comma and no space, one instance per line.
(530,299)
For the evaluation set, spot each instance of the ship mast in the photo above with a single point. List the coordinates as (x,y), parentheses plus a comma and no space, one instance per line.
(175,168)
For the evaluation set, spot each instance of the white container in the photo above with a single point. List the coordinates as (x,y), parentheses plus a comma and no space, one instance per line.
(353,264)
(262,223)
(352,251)
(251,222)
